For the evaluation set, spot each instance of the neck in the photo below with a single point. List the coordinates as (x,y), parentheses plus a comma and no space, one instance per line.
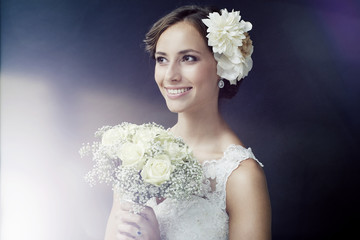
(197,128)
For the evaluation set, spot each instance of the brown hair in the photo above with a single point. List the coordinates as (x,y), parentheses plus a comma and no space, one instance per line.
(194,15)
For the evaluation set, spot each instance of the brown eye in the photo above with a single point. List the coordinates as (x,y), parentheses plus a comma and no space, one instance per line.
(160,60)
(189,58)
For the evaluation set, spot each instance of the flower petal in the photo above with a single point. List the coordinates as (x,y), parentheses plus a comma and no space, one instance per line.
(226,33)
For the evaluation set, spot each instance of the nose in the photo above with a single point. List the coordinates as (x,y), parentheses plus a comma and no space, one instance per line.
(173,73)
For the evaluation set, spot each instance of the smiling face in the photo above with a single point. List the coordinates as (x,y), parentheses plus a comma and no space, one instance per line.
(185,69)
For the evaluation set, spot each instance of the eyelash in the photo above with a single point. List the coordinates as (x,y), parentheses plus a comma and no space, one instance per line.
(160,59)
(185,58)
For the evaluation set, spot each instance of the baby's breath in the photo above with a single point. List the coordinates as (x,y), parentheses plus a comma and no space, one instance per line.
(185,175)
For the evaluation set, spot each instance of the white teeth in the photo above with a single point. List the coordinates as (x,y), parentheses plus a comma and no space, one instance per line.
(178,91)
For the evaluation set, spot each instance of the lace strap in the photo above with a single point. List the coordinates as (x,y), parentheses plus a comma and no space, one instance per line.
(233,156)
(236,154)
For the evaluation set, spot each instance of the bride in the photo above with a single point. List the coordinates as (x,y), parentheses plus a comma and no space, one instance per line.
(201,55)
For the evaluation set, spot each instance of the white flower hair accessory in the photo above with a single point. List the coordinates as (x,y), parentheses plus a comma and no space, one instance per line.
(231,44)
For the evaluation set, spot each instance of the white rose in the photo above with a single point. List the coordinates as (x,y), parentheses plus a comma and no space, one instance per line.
(112,136)
(157,170)
(132,155)
(143,136)
(175,151)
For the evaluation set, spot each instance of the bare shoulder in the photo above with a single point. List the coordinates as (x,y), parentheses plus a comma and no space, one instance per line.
(248,172)
(246,182)
(248,178)
(248,203)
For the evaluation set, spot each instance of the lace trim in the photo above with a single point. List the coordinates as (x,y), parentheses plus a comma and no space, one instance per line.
(220,170)
(232,148)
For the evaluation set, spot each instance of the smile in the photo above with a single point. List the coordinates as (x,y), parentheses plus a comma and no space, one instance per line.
(178,92)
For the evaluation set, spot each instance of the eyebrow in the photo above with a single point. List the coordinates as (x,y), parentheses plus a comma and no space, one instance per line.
(181,52)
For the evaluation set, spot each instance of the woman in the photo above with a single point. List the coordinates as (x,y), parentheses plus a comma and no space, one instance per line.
(193,70)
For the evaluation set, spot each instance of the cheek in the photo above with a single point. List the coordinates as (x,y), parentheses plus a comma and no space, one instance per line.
(157,76)
(209,74)
(212,70)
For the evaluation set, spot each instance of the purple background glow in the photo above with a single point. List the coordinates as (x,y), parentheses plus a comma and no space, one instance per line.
(71,66)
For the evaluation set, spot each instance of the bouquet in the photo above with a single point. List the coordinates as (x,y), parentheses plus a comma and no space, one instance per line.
(142,162)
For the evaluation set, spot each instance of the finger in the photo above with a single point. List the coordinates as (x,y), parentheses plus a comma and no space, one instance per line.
(127,217)
(132,207)
(122,236)
(128,230)
(130,216)
(128,205)
(145,212)
(122,212)
(148,213)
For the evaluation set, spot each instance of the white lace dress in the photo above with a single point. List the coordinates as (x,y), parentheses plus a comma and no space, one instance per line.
(202,218)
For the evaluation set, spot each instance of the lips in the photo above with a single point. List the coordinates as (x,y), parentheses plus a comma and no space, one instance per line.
(177,92)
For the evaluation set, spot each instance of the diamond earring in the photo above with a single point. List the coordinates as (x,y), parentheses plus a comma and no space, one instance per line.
(221,83)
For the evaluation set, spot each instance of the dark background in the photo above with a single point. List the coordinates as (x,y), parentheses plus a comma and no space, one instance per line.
(298,109)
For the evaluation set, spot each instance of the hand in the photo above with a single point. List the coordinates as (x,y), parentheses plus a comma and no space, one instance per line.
(142,226)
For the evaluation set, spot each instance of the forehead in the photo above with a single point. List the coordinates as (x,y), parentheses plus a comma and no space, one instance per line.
(182,35)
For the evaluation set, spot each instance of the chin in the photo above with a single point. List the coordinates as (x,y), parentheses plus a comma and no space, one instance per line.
(175,109)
